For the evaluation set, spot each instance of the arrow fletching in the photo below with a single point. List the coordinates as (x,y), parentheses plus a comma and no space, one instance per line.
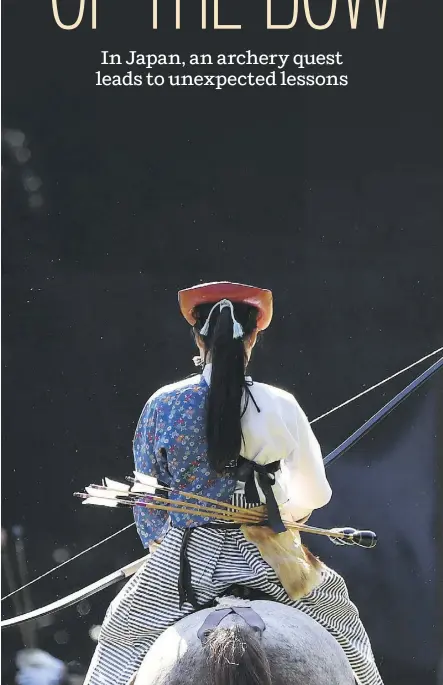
(116,485)
(100,502)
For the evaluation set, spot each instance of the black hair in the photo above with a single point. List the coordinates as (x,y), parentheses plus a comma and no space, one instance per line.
(228,358)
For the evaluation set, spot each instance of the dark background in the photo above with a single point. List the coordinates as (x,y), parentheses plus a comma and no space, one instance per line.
(118,197)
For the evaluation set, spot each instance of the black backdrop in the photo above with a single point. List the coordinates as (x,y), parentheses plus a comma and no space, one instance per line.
(331,197)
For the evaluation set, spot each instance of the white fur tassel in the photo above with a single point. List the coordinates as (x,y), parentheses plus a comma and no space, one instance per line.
(237,330)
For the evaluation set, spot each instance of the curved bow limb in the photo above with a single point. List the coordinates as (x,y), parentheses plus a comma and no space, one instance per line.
(128,570)
(78,596)
(382,413)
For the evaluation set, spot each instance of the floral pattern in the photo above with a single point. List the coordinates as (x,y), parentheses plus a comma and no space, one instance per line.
(170,444)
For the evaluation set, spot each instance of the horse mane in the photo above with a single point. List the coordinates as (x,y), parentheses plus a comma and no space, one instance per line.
(236,657)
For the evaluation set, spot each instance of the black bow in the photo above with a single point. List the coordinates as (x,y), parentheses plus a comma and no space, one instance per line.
(246,470)
(213,619)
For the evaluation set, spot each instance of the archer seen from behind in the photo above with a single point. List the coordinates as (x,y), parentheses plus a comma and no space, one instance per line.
(226,437)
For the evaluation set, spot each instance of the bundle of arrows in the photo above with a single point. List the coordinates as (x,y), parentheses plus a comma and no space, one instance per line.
(146,491)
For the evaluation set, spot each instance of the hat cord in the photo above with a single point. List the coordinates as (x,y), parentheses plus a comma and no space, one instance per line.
(237,329)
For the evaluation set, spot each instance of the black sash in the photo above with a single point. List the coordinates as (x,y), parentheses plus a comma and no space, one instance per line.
(266,477)
(185,590)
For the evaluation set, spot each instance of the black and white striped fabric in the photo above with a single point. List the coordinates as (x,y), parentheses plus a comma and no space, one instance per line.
(149,603)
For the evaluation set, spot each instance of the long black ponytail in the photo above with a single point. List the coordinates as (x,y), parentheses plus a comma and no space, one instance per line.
(228,359)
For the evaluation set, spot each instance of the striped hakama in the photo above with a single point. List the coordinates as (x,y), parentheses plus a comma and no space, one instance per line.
(149,603)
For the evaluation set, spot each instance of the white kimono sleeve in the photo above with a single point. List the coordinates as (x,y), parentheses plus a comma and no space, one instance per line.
(303,473)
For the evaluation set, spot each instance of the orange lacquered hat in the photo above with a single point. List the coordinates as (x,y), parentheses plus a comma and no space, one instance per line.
(211,293)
